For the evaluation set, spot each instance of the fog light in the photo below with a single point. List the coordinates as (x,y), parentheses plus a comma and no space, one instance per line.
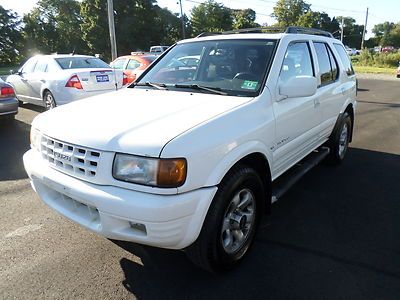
(139,227)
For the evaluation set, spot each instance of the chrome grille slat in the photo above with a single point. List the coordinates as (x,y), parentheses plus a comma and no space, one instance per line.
(75,160)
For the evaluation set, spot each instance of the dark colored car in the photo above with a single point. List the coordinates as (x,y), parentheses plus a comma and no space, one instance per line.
(8,102)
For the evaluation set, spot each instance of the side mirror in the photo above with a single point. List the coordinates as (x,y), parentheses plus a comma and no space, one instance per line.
(15,72)
(298,86)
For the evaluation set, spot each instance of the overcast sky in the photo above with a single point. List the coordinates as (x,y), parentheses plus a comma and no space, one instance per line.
(380,11)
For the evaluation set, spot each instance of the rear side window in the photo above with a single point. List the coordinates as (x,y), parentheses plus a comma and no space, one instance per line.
(297,61)
(80,62)
(119,63)
(41,65)
(345,59)
(133,64)
(334,65)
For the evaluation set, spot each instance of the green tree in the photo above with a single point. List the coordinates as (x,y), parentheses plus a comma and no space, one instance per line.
(94,26)
(244,18)
(288,12)
(169,27)
(211,16)
(387,34)
(54,26)
(10,41)
(139,24)
(319,20)
(352,32)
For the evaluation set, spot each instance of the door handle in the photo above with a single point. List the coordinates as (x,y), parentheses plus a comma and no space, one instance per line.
(42,80)
(316,102)
(24,80)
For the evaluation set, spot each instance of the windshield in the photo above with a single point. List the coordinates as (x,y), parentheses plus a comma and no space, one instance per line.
(236,67)
(80,62)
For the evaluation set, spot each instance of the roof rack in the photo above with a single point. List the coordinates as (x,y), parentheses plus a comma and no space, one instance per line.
(290,29)
(305,30)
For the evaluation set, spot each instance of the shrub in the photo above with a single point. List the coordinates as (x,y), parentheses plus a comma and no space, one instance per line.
(367,58)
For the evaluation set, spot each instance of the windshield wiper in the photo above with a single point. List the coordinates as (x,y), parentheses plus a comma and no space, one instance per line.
(214,90)
(160,86)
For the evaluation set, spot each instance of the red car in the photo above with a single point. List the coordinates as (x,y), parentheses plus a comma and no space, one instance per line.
(387,49)
(133,65)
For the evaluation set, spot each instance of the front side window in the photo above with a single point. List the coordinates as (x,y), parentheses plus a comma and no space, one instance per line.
(29,65)
(234,67)
(79,62)
(345,59)
(297,61)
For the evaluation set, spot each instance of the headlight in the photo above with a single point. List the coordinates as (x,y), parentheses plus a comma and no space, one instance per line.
(35,139)
(150,171)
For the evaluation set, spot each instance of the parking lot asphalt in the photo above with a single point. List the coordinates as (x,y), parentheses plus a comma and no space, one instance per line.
(334,235)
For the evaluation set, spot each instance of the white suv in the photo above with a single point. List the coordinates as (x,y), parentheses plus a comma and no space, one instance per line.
(188,156)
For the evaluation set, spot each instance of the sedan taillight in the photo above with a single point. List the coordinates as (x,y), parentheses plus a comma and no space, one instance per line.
(125,79)
(7,92)
(74,82)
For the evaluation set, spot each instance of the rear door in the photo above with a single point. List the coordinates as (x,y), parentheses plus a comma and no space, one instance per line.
(38,78)
(330,96)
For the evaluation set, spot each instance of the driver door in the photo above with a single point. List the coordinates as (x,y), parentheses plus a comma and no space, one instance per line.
(297,118)
(20,81)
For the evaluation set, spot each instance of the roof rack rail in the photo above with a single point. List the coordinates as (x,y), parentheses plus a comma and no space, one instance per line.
(305,30)
(203,34)
(290,29)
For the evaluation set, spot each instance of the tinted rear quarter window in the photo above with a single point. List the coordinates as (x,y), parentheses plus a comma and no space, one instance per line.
(345,59)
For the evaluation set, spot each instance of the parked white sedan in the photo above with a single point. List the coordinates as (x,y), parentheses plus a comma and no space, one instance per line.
(52,80)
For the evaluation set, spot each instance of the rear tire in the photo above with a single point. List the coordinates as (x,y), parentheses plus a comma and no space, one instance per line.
(339,141)
(48,100)
(231,222)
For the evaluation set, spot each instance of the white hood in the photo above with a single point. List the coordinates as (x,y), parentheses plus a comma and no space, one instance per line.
(132,120)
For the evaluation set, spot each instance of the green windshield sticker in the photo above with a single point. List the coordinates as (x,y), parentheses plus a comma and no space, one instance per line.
(249,85)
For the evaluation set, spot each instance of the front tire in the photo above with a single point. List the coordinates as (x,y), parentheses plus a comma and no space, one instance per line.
(339,141)
(231,222)
(48,100)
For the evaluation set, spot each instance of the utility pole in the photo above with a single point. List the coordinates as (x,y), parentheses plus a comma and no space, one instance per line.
(182,19)
(365,27)
(111,26)
(341,29)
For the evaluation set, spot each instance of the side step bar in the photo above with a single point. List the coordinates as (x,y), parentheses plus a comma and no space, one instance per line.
(281,185)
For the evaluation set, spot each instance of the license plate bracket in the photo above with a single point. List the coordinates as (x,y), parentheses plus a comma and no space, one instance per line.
(102,78)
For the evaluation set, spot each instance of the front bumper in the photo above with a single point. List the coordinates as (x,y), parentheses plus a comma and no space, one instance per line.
(8,106)
(166,221)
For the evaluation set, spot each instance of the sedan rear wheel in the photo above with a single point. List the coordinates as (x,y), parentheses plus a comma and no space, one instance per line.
(49,101)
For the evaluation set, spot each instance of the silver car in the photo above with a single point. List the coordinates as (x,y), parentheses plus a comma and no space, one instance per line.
(51,80)
(8,102)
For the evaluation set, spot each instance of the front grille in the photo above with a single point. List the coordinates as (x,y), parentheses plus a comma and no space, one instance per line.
(75,160)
